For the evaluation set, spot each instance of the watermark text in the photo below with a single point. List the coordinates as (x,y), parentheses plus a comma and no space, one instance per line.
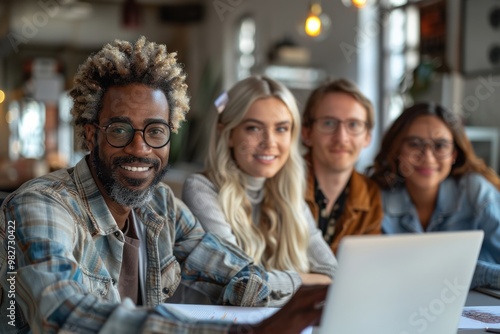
(11,273)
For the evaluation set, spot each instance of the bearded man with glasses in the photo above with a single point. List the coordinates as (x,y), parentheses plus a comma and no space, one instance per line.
(102,246)
(337,124)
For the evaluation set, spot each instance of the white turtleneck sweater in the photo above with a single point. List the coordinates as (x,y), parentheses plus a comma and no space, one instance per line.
(255,194)
(201,196)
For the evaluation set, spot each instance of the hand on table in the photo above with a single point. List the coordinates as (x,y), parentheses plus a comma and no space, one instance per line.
(302,310)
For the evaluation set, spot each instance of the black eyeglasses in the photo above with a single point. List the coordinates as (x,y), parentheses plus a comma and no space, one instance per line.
(328,125)
(120,134)
(441,148)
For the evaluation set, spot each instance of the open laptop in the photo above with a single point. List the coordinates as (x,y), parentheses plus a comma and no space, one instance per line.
(401,284)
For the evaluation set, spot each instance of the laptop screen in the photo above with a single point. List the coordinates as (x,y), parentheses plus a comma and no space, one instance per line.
(401,284)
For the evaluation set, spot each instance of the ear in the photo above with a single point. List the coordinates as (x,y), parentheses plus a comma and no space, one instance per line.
(454,156)
(368,139)
(306,136)
(90,136)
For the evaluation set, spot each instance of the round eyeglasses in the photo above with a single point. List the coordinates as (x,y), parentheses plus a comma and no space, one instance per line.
(120,134)
(328,125)
(441,148)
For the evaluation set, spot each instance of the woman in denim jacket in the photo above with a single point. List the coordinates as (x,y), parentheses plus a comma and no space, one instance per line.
(432,180)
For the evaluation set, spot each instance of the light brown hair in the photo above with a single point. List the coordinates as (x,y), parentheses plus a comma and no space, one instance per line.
(337,86)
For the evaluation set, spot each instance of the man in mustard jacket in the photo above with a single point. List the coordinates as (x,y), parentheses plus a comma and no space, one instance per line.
(337,124)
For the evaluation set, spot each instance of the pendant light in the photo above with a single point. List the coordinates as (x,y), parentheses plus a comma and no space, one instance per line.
(356,3)
(317,23)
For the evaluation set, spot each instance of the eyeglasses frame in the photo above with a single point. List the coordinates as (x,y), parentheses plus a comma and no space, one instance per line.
(105,127)
(341,122)
(431,148)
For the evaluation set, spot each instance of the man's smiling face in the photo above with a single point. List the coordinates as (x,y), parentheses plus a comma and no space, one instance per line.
(128,174)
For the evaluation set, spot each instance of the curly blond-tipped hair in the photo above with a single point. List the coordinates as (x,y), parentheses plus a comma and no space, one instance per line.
(122,63)
(280,240)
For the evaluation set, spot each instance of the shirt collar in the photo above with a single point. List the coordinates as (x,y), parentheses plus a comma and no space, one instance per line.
(359,186)
(398,200)
(102,221)
(448,197)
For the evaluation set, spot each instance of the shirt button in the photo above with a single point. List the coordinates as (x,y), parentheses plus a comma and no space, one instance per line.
(117,234)
(166,290)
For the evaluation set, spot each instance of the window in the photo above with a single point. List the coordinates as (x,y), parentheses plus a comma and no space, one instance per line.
(400,52)
(246,47)
(26,120)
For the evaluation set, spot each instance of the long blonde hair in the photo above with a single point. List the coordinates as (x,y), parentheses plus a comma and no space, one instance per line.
(282,210)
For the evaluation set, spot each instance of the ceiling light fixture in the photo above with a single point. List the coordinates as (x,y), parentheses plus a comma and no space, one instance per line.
(359,3)
(356,3)
(317,23)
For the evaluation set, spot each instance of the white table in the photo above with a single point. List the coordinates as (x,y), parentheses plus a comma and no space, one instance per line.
(475,298)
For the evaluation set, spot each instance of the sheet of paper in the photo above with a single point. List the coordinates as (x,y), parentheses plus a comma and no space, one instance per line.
(474,317)
(228,313)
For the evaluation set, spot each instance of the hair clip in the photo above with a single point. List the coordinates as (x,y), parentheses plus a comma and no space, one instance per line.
(221,102)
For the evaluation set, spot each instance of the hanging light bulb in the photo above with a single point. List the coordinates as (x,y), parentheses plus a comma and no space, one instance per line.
(359,3)
(313,22)
(317,23)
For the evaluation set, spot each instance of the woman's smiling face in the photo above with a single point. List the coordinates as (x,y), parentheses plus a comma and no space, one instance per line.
(261,142)
(427,153)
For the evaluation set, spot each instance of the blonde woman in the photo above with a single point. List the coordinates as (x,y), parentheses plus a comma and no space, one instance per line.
(251,193)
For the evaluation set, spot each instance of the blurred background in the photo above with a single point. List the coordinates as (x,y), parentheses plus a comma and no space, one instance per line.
(397,51)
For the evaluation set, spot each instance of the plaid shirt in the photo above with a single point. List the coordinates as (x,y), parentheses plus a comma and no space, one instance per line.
(65,251)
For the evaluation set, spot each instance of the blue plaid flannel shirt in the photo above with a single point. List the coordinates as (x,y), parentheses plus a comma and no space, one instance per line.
(65,253)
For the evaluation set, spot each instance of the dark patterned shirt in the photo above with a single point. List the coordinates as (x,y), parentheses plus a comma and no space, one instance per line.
(327,220)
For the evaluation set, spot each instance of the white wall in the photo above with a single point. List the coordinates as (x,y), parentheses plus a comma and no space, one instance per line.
(281,18)
(47,22)
(349,44)
(480,99)
(208,47)
(275,20)
(475,96)
(31,29)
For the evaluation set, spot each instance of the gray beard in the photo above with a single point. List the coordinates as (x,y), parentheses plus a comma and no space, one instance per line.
(119,192)
(130,198)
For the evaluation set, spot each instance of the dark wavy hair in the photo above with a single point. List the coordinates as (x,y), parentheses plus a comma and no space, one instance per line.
(121,63)
(385,169)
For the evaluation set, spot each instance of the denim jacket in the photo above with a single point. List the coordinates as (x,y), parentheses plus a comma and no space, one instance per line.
(62,251)
(468,203)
